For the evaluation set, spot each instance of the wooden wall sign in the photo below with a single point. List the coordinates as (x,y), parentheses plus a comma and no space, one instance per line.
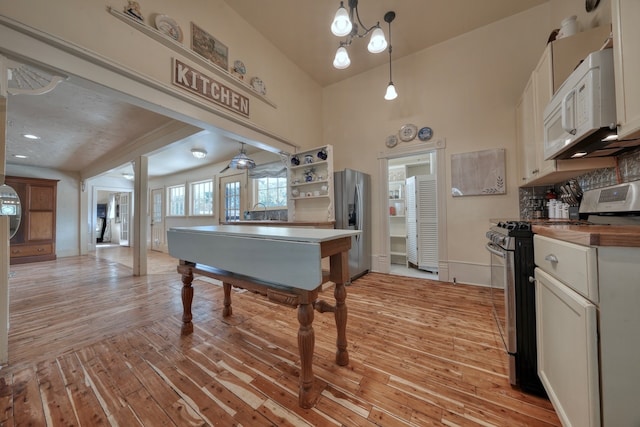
(206,87)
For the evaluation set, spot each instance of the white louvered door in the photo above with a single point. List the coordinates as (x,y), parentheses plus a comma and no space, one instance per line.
(411,219)
(427,222)
(422,222)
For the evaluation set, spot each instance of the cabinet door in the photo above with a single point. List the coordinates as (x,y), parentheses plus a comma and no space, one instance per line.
(567,337)
(543,90)
(525,111)
(626,56)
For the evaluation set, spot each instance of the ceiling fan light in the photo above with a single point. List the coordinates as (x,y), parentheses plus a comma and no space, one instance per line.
(341,61)
(391,92)
(198,153)
(377,42)
(341,25)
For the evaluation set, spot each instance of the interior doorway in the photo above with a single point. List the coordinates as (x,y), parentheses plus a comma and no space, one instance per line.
(395,166)
(405,215)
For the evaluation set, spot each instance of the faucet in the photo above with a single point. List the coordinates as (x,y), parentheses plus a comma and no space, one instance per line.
(264,215)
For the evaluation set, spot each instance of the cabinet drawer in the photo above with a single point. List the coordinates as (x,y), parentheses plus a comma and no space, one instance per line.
(31,250)
(575,265)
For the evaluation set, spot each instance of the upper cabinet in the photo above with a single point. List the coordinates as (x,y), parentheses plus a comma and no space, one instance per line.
(626,57)
(558,60)
(310,183)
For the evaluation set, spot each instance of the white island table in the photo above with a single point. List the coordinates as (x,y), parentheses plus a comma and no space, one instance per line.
(283,263)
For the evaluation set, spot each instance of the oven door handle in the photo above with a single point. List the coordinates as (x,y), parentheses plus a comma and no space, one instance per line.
(495,249)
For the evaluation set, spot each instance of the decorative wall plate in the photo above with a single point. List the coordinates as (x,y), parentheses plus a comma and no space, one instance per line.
(408,132)
(425,134)
(258,85)
(168,26)
(392,141)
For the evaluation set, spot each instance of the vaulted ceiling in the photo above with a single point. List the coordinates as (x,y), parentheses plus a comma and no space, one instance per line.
(77,125)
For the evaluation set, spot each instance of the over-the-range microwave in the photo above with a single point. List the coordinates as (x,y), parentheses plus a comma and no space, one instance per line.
(582,113)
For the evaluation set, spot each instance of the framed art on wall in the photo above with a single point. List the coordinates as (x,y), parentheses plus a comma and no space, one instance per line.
(478,173)
(207,46)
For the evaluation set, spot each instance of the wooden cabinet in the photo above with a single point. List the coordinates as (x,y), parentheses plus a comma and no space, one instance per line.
(310,181)
(557,62)
(626,57)
(35,239)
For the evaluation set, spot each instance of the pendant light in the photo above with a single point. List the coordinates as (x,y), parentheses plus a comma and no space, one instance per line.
(391,89)
(240,161)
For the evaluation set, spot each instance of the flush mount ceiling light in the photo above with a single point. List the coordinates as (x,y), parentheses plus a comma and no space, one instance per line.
(198,153)
(240,161)
(348,24)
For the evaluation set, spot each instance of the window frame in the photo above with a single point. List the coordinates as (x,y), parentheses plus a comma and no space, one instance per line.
(192,210)
(170,212)
(255,192)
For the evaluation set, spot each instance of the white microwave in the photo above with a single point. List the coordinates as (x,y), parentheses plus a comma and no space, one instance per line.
(582,113)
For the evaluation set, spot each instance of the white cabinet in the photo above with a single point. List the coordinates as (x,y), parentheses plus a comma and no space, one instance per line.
(310,182)
(397,208)
(587,322)
(626,56)
(556,64)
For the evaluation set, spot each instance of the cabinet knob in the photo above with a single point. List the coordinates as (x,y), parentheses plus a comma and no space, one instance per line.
(535,171)
(532,279)
(551,258)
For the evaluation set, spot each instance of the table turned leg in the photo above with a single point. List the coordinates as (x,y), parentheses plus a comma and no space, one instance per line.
(187,299)
(227,311)
(306,343)
(342,355)
(339,275)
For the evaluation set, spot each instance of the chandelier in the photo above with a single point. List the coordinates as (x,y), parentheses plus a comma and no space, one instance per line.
(348,24)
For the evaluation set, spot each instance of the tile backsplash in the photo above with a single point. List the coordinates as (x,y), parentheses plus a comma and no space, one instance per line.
(628,170)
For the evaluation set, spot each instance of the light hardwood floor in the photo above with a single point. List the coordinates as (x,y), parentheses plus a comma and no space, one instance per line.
(90,344)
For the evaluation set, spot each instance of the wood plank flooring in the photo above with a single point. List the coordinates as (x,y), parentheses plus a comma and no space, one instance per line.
(89,344)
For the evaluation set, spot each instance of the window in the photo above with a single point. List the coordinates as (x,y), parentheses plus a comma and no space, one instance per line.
(232,201)
(272,192)
(175,196)
(202,198)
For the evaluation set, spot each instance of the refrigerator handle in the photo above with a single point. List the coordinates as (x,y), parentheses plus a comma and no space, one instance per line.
(358,206)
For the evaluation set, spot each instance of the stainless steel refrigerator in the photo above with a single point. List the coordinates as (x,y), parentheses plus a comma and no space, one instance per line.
(353,212)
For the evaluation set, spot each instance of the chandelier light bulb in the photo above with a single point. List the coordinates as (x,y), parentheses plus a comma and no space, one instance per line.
(391,92)
(341,25)
(377,42)
(341,61)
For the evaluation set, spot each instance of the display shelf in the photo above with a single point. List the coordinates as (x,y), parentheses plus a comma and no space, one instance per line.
(396,216)
(403,254)
(310,197)
(398,236)
(188,53)
(323,181)
(307,165)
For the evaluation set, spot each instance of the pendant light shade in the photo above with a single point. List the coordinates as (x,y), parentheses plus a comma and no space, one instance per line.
(341,61)
(377,43)
(341,25)
(240,161)
(391,92)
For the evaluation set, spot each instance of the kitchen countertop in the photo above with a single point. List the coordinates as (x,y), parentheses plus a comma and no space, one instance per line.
(592,234)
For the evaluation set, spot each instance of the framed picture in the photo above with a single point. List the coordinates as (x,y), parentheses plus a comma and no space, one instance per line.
(478,173)
(207,46)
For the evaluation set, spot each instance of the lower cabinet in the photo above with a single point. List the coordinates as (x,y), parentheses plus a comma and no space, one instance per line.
(35,239)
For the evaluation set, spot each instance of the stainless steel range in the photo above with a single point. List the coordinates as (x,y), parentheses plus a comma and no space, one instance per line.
(513,299)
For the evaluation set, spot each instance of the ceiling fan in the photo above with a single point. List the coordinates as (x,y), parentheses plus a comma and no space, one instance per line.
(240,161)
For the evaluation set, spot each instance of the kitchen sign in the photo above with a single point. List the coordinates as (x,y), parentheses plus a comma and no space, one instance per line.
(208,88)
